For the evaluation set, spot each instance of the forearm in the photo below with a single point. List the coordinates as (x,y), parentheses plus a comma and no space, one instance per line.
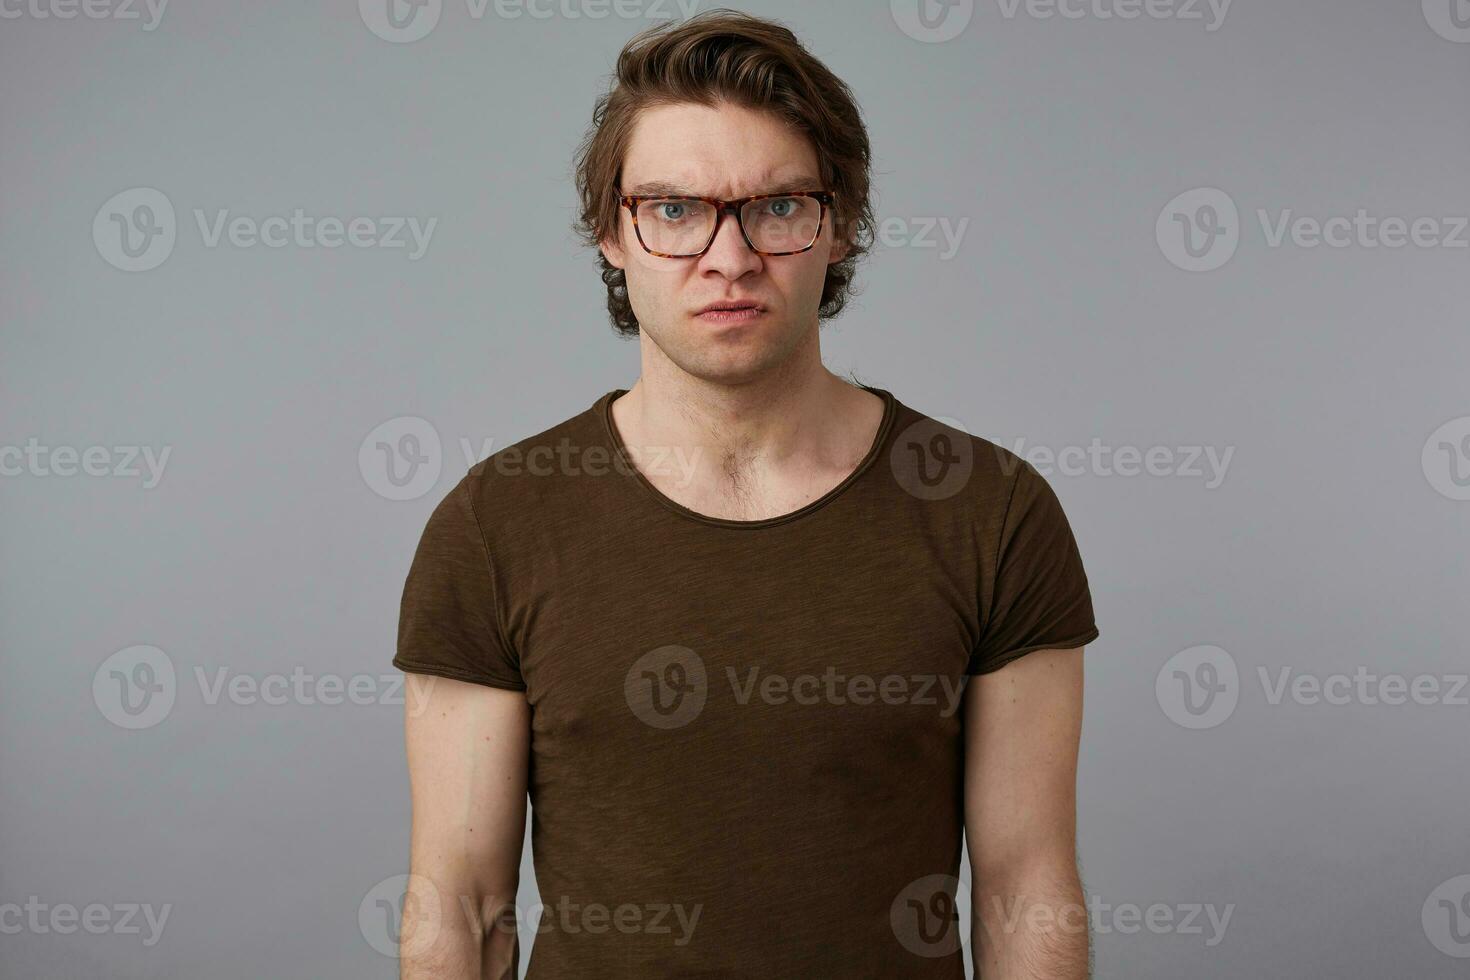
(459,932)
(1030,927)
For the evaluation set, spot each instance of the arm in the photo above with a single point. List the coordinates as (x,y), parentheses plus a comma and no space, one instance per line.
(467,761)
(1023,723)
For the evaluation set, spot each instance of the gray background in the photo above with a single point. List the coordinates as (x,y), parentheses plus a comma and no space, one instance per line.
(266,548)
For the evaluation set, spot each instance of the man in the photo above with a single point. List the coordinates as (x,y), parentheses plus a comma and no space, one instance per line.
(719,625)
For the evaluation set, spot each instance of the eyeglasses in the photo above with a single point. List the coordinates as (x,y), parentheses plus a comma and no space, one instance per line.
(771,224)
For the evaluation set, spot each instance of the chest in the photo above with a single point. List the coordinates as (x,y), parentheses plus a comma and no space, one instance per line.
(803,652)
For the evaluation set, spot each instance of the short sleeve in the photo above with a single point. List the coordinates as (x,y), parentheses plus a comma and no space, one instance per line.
(1039,598)
(448,622)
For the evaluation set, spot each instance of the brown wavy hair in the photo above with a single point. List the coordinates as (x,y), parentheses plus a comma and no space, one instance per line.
(724,55)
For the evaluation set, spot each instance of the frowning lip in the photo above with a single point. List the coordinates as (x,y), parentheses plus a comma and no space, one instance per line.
(730,304)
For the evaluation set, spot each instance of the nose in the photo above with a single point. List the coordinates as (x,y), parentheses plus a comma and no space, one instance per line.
(728,254)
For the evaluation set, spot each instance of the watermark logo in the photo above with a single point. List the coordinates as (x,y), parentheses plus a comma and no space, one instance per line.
(1362,687)
(135,687)
(400,21)
(1362,230)
(401,913)
(97,919)
(938,233)
(40,460)
(405,21)
(1013,913)
(1446,459)
(932,21)
(401,459)
(925,916)
(90,9)
(585,9)
(1446,917)
(1199,230)
(932,459)
(667,687)
(135,230)
(1198,687)
(1211,13)
(833,687)
(1206,463)
(1450,19)
(1201,686)
(309,231)
(675,920)
(404,915)
(566,458)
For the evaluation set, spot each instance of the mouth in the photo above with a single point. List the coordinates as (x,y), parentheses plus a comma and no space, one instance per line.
(735,311)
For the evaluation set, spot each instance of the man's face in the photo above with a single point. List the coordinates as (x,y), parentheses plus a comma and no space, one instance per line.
(723,152)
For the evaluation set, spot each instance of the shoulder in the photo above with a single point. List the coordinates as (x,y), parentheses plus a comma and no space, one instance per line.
(537,471)
(935,459)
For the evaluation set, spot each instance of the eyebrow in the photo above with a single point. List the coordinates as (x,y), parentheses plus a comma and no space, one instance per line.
(671,189)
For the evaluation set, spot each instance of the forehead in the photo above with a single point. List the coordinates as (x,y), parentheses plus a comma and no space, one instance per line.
(716,151)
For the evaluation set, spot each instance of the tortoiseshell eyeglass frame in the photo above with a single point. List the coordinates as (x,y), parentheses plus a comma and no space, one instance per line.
(631,201)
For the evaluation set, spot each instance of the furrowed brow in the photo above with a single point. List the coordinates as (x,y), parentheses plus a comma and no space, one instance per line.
(660,187)
(795,184)
(666,188)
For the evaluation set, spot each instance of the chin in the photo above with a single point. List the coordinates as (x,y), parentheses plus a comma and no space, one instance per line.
(729,366)
(727,355)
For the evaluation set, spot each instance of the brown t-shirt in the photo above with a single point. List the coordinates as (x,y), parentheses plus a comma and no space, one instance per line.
(746,755)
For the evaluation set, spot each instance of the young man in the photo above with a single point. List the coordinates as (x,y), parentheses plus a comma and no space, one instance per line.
(719,625)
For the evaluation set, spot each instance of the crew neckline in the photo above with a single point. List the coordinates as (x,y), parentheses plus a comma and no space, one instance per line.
(610,430)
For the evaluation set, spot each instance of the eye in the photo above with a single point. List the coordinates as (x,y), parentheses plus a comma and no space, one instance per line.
(671,210)
(781,207)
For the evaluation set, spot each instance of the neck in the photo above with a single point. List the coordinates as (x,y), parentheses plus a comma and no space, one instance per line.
(791,410)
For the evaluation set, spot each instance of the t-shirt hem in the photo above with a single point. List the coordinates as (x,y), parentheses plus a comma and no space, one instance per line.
(1080,640)
(457,675)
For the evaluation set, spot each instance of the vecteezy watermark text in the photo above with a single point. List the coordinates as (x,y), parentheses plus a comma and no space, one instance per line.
(89,9)
(96,918)
(407,913)
(1097,459)
(406,21)
(1200,687)
(1211,13)
(833,687)
(1013,913)
(35,459)
(1200,230)
(936,21)
(919,233)
(136,687)
(668,687)
(402,458)
(136,230)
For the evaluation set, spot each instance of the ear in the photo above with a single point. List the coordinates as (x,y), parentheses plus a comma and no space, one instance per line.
(839,252)
(841,243)
(613,252)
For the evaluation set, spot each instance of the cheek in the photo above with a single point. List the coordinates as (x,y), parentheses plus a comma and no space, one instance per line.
(651,278)
(652,287)
(804,276)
